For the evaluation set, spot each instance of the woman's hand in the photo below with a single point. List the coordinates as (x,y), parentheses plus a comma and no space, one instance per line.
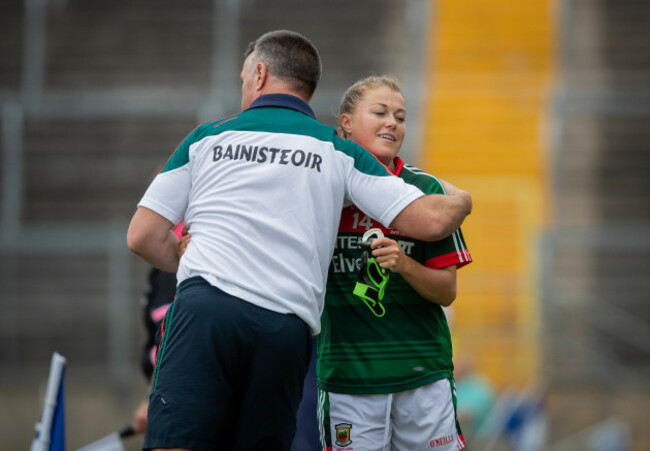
(389,255)
(183,242)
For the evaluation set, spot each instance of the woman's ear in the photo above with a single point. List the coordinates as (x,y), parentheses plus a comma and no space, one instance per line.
(346,125)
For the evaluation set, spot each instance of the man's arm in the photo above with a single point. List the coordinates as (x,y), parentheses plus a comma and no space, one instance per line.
(436,216)
(152,237)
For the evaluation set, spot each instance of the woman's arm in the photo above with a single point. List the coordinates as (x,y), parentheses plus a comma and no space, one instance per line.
(435,285)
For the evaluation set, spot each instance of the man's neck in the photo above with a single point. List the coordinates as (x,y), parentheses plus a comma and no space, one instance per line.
(283,100)
(274,86)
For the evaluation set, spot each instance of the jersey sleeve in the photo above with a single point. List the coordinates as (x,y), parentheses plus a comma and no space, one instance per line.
(168,194)
(449,251)
(372,188)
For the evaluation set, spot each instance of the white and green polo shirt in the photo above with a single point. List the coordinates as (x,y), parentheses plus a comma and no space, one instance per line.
(262,193)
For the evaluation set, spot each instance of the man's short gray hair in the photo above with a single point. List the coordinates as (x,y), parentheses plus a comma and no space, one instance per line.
(289,57)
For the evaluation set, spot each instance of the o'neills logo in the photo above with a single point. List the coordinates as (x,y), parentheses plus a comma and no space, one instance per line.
(441,441)
(270,155)
(343,434)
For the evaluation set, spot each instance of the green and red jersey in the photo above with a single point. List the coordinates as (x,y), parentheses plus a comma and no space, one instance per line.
(410,345)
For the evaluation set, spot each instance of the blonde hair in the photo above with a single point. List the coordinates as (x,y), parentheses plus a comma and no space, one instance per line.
(356,92)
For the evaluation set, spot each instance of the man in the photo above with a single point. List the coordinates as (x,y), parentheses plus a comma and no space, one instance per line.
(261,193)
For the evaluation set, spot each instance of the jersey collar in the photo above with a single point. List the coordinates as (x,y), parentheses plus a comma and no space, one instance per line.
(284,101)
(399,165)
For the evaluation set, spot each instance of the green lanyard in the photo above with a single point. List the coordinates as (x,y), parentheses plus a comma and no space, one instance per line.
(372,278)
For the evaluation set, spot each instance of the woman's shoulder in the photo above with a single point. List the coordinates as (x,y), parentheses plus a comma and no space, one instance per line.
(428,183)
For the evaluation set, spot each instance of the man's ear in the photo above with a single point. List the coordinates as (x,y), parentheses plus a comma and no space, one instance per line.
(346,125)
(261,76)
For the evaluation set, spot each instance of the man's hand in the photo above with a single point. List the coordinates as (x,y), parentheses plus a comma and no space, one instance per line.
(436,216)
(139,422)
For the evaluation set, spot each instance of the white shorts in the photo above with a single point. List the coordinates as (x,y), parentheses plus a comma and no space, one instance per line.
(419,419)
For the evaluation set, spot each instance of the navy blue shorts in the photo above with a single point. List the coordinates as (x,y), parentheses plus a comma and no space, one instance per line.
(229,374)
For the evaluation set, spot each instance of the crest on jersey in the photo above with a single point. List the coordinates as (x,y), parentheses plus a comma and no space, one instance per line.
(343,434)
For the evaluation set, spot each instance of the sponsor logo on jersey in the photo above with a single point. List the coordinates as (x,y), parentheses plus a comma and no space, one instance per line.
(342,262)
(343,434)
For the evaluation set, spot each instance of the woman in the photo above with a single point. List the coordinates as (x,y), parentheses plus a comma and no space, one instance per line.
(385,375)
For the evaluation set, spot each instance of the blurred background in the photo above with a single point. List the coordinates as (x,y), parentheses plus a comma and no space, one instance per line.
(539,108)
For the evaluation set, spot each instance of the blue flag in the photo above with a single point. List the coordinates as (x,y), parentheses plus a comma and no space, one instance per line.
(57,442)
(50,431)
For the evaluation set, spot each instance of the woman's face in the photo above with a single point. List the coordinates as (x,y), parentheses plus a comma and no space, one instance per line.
(377,123)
